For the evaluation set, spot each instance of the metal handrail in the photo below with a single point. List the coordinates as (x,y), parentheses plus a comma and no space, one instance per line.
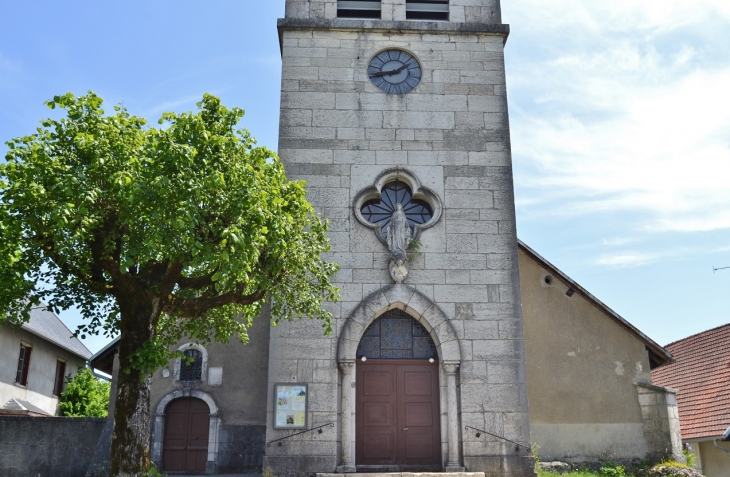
(480,431)
(331,424)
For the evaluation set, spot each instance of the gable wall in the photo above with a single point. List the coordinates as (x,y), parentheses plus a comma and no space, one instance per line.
(42,372)
(581,368)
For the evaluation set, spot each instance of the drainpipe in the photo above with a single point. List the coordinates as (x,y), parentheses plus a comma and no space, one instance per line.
(725,437)
(727,451)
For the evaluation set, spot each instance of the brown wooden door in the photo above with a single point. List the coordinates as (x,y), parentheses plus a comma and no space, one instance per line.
(185,444)
(397,415)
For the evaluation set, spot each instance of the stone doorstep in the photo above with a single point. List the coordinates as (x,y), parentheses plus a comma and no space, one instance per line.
(407,474)
(219,475)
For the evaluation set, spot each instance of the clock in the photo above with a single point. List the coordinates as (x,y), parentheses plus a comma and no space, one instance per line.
(394,71)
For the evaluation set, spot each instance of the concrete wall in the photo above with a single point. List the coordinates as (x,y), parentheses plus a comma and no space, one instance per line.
(42,372)
(460,11)
(339,133)
(581,369)
(239,398)
(711,461)
(47,446)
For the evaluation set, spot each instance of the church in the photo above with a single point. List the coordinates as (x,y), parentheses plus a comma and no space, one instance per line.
(455,346)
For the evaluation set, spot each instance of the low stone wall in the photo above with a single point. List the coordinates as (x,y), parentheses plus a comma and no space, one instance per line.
(47,446)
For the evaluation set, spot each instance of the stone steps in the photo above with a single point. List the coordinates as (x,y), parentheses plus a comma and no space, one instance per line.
(407,474)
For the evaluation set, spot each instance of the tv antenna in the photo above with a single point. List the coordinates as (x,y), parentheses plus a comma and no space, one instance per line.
(721,268)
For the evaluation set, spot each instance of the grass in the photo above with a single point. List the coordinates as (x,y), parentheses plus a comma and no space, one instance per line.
(575,473)
(610,470)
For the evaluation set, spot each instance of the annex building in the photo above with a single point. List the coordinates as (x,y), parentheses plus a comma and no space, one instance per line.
(451,355)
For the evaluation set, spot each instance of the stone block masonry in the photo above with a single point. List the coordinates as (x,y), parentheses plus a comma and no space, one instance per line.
(340,134)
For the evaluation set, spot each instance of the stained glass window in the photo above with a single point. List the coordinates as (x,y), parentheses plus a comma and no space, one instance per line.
(379,211)
(191,370)
(396,335)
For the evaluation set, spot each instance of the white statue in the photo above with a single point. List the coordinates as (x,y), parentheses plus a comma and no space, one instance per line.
(398,238)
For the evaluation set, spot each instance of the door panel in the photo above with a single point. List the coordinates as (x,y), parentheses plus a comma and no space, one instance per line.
(397,415)
(376,417)
(418,411)
(185,442)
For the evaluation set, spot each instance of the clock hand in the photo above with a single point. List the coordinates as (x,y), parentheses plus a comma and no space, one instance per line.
(389,73)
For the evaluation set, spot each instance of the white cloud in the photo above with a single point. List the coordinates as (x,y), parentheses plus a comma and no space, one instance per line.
(637,122)
(627,259)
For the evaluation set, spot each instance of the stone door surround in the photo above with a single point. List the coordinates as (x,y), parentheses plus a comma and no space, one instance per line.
(158,426)
(421,308)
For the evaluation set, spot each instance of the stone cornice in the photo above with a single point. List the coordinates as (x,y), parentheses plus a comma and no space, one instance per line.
(382,25)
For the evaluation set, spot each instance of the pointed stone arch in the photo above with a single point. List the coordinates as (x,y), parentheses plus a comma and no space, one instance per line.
(413,302)
(426,312)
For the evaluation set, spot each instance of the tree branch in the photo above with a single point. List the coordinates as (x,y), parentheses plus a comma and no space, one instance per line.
(97,284)
(197,283)
(194,307)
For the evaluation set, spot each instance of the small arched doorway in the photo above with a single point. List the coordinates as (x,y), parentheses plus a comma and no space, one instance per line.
(397,424)
(185,441)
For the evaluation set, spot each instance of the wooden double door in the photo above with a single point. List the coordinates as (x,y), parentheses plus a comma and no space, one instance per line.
(185,444)
(397,416)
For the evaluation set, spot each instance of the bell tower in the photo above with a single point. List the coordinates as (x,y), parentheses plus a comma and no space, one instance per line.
(395,114)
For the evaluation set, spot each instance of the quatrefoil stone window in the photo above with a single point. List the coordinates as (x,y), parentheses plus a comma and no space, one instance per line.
(397,208)
(380,211)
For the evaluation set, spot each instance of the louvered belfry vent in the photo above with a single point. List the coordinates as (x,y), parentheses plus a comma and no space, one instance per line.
(427,10)
(358,8)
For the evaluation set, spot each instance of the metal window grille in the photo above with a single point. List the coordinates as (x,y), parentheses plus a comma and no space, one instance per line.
(191,370)
(358,9)
(427,10)
(21,376)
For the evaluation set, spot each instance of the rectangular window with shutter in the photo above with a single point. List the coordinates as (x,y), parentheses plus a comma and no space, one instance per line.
(427,10)
(358,9)
(60,376)
(21,376)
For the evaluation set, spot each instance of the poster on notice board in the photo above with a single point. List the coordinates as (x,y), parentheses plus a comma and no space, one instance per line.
(290,406)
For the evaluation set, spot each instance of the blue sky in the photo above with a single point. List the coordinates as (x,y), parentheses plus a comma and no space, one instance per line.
(618,110)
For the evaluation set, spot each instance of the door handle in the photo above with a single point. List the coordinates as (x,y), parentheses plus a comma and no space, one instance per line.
(404,429)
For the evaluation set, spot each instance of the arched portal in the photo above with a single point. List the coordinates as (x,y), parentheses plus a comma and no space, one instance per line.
(160,423)
(441,331)
(185,441)
(397,396)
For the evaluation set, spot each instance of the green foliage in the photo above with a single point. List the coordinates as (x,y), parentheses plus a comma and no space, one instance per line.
(183,230)
(610,469)
(575,473)
(153,472)
(85,396)
(535,451)
(689,455)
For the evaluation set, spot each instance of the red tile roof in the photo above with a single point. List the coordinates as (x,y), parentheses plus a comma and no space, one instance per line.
(701,373)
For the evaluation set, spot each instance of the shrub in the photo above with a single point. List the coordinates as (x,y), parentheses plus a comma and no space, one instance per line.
(85,396)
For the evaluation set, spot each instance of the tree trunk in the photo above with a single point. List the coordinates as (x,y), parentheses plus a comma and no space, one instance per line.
(130,455)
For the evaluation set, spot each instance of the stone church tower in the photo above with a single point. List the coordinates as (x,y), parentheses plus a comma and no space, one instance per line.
(395,113)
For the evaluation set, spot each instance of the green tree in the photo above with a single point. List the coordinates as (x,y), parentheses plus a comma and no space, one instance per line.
(156,233)
(85,396)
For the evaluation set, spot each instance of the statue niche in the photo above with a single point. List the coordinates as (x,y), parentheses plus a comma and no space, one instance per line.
(397,214)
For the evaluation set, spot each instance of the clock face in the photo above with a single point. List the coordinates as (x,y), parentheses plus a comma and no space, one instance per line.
(394,71)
